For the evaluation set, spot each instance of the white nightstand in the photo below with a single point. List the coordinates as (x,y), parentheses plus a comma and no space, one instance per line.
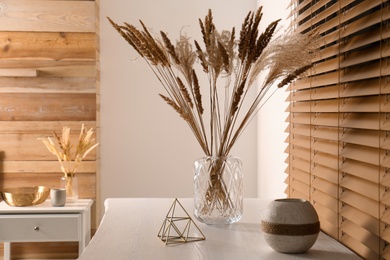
(44,223)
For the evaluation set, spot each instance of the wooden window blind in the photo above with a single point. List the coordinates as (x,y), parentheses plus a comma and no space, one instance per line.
(339,123)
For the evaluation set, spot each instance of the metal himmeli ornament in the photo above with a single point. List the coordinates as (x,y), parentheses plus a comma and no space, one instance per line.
(176,227)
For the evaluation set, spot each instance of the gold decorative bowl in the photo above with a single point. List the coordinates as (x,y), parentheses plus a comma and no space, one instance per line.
(25,196)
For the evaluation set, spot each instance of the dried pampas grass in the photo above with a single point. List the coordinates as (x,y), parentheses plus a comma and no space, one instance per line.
(238,62)
(70,156)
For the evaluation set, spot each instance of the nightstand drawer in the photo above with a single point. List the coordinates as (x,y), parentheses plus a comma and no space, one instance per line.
(39,227)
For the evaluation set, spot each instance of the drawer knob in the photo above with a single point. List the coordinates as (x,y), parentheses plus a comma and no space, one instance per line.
(36,228)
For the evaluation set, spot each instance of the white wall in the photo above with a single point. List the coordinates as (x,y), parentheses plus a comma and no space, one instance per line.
(271,122)
(147,150)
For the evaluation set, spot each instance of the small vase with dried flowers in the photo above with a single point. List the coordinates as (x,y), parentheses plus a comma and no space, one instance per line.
(231,68)
(70,157)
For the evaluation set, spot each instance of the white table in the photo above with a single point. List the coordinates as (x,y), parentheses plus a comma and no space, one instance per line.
(130,227)
(44,223)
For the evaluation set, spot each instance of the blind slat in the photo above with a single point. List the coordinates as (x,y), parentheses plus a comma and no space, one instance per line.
(300,164)
(358,9)
(294,193)
(360,153)
(329,105)
(325,133)
(301,141)
(363,71)
(330,78)
(360,169)
(361,88)
(326,159)
(360,24)
(325,93)
(299,95)
(355,57)
(329,228)
(360,234)
(360,202)
(325,186)
(358,247)
(301,130)
(300,106)
(362,39)
(325,146)
(360,136)
(326,200)
(360,104)
(300,175)
(360,186)
(326,173)
(299,118)
(360,218)
(360,120)
(299,186)
(325,119)
(326,213)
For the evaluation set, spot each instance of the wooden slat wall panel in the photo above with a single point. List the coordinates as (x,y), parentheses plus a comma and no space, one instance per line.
(48,79)
(47,85)
(44,15)
(47,45)
(47,107)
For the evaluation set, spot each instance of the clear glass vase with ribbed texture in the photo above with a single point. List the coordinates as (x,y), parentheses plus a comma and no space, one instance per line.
(218,187)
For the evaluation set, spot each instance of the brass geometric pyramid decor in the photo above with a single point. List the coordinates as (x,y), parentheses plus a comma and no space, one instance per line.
(177,225)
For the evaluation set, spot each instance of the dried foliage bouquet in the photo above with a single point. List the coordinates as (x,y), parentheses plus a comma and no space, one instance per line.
(68,155)
(231,67)
(237,63)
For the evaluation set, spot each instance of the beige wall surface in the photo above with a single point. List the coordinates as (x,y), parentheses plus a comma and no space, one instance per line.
(271,123)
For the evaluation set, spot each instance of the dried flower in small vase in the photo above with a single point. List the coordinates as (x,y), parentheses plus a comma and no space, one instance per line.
(68,157)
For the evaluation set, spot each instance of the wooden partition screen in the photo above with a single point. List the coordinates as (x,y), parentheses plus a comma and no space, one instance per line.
(48,79)
(339,123)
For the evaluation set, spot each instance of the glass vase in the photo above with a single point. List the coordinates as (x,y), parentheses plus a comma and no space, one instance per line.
(218,187)
(70,184)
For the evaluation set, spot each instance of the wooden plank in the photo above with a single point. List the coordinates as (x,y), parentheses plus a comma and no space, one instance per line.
(18,73)
(42,127)
(38,63)
(43,166)
(27,147)
(69,71)
(86,181)
(47,85)
(47,107)
(41,15)
(47,46)
(45,250)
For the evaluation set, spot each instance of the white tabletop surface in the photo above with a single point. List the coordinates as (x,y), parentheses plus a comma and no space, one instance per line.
(46,207)
(130,227)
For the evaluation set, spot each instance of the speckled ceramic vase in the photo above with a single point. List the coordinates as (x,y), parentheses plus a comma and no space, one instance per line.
(290,225)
